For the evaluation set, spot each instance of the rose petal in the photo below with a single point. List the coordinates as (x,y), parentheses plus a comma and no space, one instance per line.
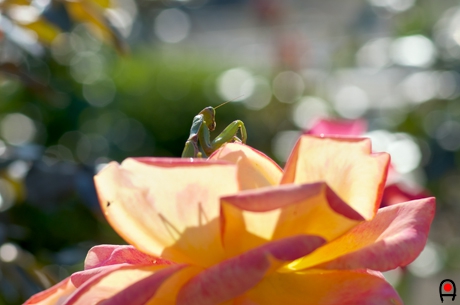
(168,292)
(395,237)
(168,207)
(252,218)
(105,255)
(54,295)
(255,169)
(142,291)
(338,127)
(116,279)
(234,276)
(346,165)
(397,193)
(320,287)
(79,278)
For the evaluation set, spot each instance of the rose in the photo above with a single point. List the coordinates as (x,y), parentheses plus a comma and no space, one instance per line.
(241,231)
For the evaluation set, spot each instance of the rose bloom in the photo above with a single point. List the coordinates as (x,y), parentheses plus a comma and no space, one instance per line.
(237,229)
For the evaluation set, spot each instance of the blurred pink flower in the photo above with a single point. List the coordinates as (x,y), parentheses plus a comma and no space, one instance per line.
(350,128)
(240,230)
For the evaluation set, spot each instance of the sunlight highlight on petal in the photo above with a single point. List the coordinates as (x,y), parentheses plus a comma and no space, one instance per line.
(168,208)
(255,169)
(319,287)
(395,237)
(346,165)
(251,218)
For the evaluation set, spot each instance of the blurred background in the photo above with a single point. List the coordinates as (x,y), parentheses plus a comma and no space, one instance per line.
(84,82)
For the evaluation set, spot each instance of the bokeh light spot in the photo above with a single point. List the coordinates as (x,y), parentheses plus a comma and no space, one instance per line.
(374,54)
(87,67)
(396,6)
(307,110)
(416,51)
(3,148)
(172,25)
(235,84)
(351,102)
(283,142)
(428,263)
(394,276)
(100,93)
(18,169)
(447,84)
(9,252)
(23,14)
(405,154)
(448,135)
(288,86)
(419,87)
(17,129)
(381,139)
(7,195)
(261,93)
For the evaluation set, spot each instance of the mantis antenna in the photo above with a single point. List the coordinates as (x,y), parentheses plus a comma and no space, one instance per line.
(229,101)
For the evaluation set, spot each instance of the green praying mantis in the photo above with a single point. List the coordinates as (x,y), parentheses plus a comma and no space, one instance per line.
(199,142)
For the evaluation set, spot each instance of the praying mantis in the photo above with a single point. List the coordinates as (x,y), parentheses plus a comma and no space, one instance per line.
(199,142)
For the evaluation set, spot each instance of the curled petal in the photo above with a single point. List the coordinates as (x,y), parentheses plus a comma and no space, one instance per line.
(395,237)
(79,278)
(346,165)
(397,193)
(105,255)
(323,287)
(168,292)
(115,279)
(168,207)
(237,275)
(255,169)
(53,295)
(338,127)
(252,218)
(144,290)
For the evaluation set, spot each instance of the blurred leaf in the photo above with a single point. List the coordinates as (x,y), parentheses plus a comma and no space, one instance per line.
(102,3)
(88,12)
(92,14)
(45,31)
(7,3)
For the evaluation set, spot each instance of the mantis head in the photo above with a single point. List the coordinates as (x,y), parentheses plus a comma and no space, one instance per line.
(209,116)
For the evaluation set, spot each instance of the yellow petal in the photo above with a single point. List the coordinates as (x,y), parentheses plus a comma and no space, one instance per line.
(255,169)
(168,292)
(319,287)
(347,165)
(251,218)
(233,277)
(395,237)
(168,207)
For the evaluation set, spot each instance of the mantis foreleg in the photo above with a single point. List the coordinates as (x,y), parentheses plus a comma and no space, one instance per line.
(229,134)
(191,149)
